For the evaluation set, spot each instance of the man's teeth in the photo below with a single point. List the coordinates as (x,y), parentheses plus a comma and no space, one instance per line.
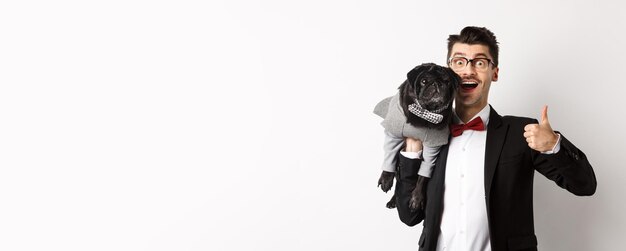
(469,85)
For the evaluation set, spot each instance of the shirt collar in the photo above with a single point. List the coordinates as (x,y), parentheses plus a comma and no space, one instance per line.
(484,115)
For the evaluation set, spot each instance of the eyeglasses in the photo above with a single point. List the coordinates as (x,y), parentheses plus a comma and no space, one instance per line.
(459,63)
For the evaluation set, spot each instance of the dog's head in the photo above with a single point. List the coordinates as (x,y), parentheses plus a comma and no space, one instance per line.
(433,87)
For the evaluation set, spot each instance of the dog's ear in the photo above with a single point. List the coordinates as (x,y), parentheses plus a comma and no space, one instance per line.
(414,74)
(455,79)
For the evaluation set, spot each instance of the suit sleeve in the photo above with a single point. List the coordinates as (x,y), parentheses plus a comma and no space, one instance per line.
(568,168)
(406,178)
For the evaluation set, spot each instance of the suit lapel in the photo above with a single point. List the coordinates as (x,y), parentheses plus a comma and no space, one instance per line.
(434,205)
(436,184)
(496,134)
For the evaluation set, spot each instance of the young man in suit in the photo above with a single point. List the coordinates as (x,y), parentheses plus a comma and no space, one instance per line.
(480,195)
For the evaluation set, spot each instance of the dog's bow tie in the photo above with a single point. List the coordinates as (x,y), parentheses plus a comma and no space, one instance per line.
(475,124)
(432,117)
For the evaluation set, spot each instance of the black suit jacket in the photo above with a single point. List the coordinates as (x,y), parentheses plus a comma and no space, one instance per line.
(509,168)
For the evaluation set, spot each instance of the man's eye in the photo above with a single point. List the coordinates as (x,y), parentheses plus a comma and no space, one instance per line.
(480,63)
(459,62)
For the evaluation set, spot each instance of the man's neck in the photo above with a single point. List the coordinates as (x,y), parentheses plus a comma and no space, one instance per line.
(466,113)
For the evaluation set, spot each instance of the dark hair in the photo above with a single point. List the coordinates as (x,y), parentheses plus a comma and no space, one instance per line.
(476,35)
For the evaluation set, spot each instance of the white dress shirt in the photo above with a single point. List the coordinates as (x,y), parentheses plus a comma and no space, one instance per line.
(464,224)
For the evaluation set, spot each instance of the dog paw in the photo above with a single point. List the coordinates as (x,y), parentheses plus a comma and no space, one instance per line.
(385,182)
(416,203)
(418,195)
(385,186)
(392,203)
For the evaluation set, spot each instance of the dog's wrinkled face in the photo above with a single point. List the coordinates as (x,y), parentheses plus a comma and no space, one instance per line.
(434,88)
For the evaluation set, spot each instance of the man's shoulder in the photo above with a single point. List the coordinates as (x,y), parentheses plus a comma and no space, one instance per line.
(517,120)
(511,119)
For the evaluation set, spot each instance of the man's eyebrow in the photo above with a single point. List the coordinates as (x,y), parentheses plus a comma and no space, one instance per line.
(475,56)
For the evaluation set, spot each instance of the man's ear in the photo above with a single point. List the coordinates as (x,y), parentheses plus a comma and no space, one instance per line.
(494,78)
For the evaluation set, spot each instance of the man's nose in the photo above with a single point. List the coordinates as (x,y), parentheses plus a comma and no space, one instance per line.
(469,70)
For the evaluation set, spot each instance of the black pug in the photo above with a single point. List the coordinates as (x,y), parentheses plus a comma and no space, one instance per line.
(422,109)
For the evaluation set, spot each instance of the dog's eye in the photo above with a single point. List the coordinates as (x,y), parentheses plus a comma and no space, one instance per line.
(423,82)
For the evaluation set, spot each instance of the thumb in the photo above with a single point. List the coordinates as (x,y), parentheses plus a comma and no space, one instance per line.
(544,115)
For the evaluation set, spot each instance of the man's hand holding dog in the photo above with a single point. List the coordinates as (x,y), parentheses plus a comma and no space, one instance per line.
(412,145)
(540,136)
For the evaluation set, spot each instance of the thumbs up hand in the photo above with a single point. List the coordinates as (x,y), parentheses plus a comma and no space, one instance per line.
(540,136)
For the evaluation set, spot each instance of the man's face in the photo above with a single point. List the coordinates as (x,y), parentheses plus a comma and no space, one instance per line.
(469,96)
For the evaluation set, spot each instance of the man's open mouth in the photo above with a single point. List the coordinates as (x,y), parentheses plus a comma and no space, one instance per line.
(469,85)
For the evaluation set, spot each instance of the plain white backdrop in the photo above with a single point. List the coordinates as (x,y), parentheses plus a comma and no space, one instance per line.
(248,125)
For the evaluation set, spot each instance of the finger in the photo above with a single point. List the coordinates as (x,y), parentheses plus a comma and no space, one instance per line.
(528,134)
(531,127)
(529,139)
(528,127)
(544,115)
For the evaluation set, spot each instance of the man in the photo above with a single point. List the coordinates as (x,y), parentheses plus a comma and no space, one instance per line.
(479,197)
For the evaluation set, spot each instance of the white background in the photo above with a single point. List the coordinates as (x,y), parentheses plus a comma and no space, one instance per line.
(248,125)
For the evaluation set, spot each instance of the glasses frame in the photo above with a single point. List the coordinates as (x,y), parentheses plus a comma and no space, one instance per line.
(470,61)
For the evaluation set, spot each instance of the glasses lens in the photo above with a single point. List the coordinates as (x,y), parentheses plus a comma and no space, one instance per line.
(480,63)
(458,63)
